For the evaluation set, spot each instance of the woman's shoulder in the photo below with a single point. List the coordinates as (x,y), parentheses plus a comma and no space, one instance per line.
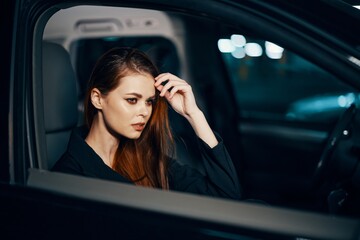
(70,161)
(68,164)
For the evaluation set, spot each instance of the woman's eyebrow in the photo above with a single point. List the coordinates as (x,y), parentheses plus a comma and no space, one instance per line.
(138,95)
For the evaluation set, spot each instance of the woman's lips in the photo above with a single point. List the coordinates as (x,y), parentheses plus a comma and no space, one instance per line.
(138,126)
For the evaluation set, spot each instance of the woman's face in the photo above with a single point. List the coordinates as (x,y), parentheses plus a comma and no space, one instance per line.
(127,109)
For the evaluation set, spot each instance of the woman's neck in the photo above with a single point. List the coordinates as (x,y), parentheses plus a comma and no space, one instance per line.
(102,141)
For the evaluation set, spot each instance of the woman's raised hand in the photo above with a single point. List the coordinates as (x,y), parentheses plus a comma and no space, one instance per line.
(181,98)
(178,93)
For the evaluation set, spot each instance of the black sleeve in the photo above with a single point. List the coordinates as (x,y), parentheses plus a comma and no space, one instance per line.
(220,178)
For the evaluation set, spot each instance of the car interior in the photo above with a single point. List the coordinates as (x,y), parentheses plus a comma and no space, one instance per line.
(278,110)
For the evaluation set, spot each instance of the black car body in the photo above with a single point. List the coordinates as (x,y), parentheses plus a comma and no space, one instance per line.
(300,160)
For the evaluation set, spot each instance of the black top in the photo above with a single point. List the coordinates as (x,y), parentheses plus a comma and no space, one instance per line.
(220,178)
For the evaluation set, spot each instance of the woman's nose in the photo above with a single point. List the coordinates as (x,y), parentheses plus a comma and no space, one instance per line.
(144,110)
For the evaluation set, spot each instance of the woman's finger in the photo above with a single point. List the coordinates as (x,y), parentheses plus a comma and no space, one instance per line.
(177,88)
(160,79)
(168,86)
(165,77)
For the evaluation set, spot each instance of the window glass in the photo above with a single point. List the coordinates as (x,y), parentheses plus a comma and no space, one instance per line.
(272,82)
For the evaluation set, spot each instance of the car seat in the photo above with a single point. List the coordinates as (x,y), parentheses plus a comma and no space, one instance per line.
(60,100)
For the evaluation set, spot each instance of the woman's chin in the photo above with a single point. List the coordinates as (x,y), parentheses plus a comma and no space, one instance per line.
(134,136)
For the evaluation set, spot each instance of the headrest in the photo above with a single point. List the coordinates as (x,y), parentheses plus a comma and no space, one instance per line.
(59,87)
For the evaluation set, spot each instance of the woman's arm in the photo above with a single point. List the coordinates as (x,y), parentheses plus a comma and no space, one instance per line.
(221,177)
(181,98)
(202,129)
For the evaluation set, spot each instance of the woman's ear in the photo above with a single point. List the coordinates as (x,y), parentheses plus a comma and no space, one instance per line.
(96,99)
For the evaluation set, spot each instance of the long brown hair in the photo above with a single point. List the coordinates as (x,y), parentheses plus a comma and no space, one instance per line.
(143,160)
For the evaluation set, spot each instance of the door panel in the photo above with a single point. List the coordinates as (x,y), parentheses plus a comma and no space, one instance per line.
(278,161)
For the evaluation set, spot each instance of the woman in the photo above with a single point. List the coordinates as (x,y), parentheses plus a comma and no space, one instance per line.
(127,137)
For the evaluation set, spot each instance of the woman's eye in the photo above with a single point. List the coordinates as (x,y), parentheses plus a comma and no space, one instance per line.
(131,100)
(150,102)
